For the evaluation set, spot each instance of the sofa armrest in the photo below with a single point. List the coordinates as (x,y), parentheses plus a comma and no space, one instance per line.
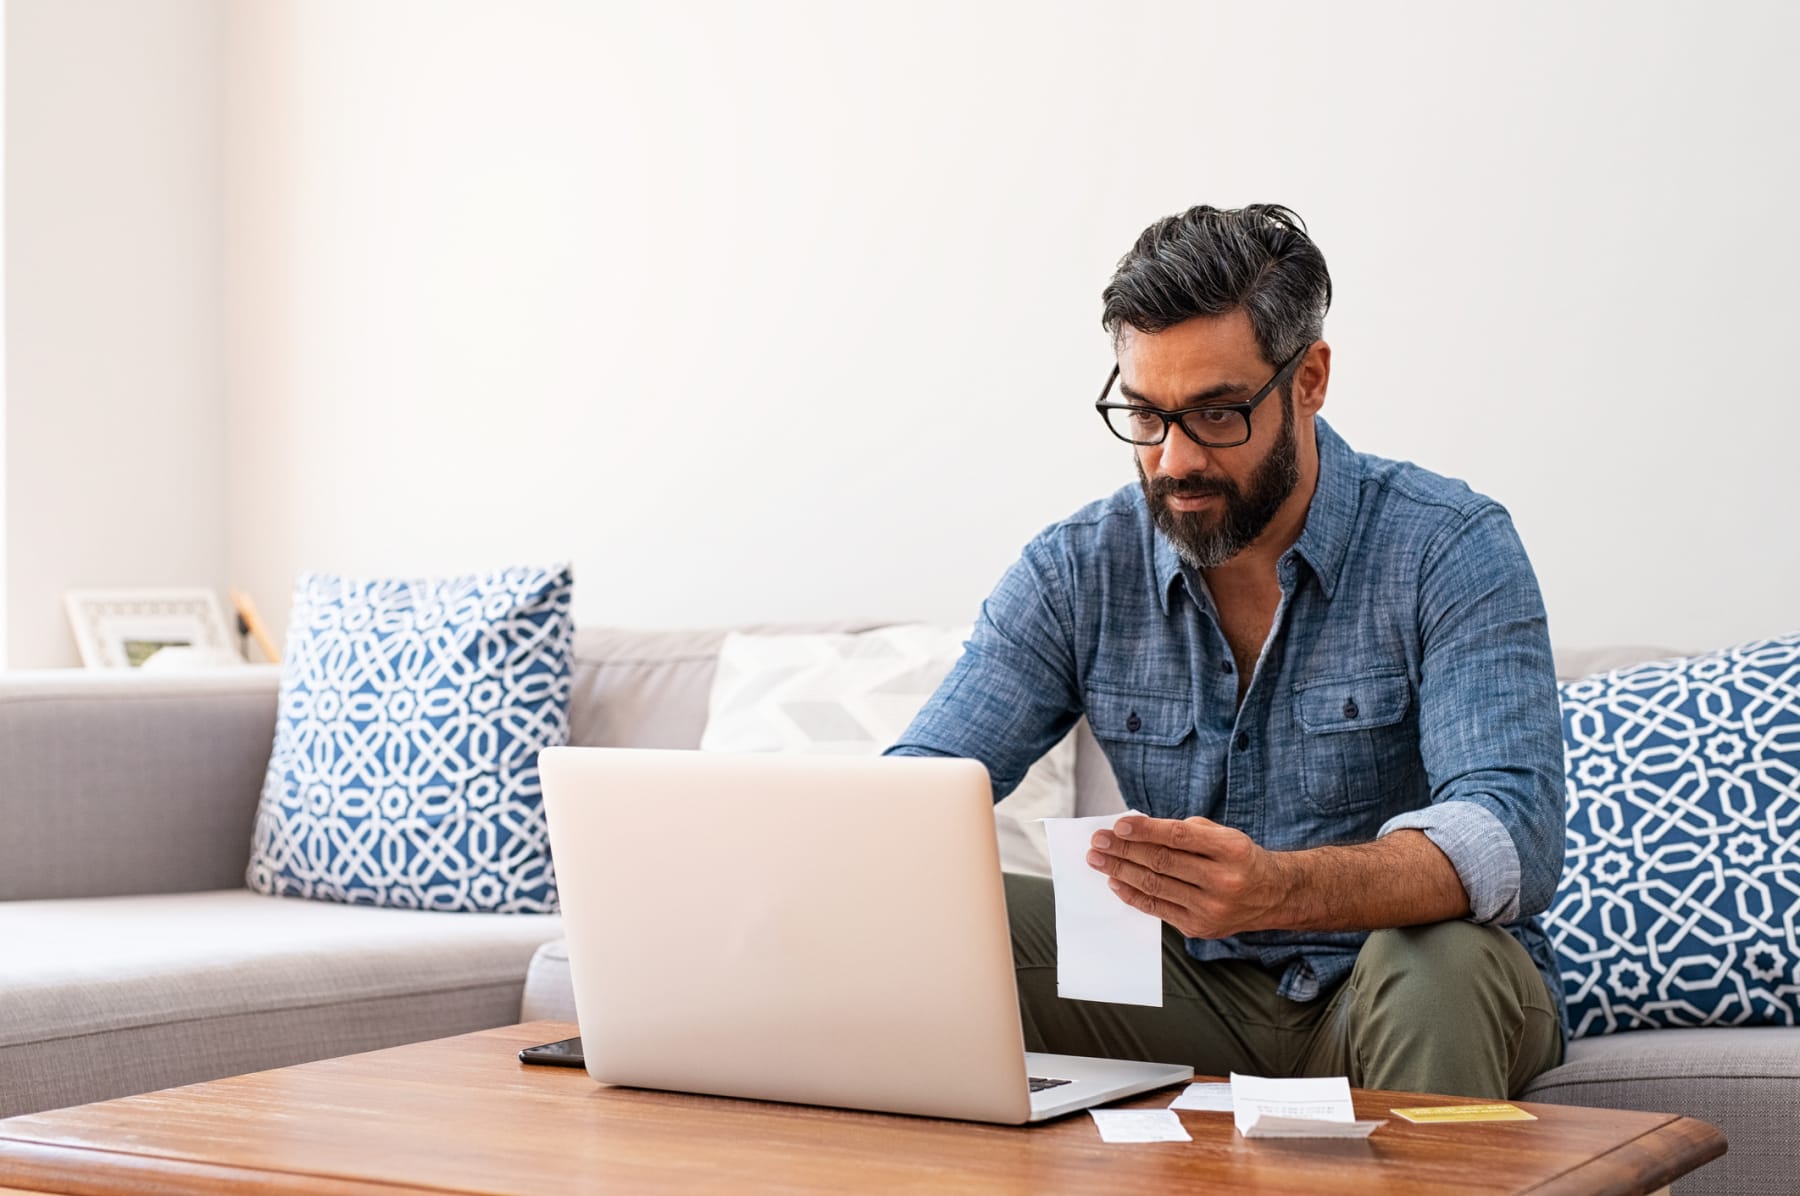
(114,783)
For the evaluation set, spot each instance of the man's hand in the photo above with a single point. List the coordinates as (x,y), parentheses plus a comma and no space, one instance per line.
(1207,881)
(1210,881)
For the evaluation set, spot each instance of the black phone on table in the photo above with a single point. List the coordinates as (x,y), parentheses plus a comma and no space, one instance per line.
(566,1053)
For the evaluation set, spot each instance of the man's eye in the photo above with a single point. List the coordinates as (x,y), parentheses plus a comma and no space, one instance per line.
(1144,419)
(1215,417)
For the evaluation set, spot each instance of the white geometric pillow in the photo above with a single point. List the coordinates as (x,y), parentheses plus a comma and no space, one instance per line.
(404,768)
(853,694)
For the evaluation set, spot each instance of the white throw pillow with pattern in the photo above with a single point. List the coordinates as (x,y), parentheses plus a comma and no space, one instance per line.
(854,694)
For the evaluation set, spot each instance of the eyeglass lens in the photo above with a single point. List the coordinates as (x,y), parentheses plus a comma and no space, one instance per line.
(1139,425)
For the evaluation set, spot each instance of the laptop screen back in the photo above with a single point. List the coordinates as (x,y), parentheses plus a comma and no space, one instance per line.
(822,930)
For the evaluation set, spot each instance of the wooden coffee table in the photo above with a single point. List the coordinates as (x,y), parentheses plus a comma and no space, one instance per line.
(463,1115)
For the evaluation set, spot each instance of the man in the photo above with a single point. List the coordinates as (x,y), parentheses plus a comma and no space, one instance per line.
(1324,683)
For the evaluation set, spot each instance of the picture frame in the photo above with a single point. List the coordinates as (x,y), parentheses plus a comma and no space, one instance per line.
(122,629)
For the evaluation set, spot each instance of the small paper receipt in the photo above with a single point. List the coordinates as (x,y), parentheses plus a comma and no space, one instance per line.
(1208,1098)
(1139,1125)
(1105,950)
(1305,1108)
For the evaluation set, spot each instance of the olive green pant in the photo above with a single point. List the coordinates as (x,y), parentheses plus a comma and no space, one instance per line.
(1451,1007)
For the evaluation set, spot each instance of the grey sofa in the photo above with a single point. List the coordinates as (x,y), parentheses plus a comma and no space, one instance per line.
(132,958)
(131,955)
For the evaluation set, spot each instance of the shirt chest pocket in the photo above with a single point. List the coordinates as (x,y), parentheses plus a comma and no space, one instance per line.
(1359,742)
(1149,741)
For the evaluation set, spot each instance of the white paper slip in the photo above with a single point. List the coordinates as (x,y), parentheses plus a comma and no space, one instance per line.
(1207,1098)
(1300,1127)
(1139,1125)
(1314,1107)
(1105,950)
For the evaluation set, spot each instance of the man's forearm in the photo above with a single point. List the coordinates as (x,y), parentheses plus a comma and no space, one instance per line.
(1211,881)
(1401,879)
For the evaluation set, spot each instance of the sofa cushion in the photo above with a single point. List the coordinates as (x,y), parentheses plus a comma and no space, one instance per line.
(1680,898)
(549,986)
(648,688)
(112,995)
(854,694)
(1741,1080)
(1572,664)
(115,781)
(411,714)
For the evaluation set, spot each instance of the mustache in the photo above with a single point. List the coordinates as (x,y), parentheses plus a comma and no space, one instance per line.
(1189,487)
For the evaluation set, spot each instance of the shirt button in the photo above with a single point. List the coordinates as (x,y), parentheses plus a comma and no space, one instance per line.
(1224,666)
(1133,722)
(1243,740)
(1350,710)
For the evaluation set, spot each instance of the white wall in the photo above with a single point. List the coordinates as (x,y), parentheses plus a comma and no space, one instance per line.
(789,310)
(114,458)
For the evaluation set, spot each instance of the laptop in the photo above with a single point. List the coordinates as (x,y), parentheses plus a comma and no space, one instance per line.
(817,930)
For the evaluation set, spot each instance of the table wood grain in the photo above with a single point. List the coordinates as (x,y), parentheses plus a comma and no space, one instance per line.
(463,1115)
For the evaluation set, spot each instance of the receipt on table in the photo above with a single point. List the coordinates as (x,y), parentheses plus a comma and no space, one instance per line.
(1206,1098)
(1316,1107)
(1105,950)
(1139,1125)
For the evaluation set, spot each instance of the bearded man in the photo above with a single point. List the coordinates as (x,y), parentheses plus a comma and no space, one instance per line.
(1323,681)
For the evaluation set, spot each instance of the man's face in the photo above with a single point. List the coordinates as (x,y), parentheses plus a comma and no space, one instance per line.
(1210,502)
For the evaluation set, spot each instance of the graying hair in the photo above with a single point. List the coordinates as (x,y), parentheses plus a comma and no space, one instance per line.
(1209,261)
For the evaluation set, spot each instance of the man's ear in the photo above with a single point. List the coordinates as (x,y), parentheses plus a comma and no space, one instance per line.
(1311,379)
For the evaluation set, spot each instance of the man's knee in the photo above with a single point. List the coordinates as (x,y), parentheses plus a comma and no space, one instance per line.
(1443,970)
(1439,947)
(1451,1007)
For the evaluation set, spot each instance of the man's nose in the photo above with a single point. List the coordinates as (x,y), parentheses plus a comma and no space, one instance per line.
(1180,456)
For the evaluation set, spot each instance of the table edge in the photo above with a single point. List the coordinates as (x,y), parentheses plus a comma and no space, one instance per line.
(1678,1147)
(63,1170)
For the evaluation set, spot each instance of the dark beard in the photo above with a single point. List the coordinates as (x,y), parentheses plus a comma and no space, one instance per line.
(1206,541)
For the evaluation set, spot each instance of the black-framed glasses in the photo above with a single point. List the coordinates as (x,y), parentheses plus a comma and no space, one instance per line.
(1216,425)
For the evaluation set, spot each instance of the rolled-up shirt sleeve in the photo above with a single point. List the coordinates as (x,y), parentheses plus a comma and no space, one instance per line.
(1478,846)
(1012,694)
(1490,728)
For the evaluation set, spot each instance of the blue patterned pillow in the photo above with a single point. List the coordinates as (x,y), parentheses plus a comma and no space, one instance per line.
(1680,899)
(404,771)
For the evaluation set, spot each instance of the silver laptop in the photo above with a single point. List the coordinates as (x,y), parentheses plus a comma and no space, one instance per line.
(821,930)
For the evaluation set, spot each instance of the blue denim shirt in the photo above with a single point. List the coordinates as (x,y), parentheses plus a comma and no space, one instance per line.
(1407,683)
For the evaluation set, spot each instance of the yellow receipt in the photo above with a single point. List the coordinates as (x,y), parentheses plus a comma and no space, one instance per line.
(1440,1113)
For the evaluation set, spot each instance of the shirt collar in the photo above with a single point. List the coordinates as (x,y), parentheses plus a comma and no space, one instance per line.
(1330,518)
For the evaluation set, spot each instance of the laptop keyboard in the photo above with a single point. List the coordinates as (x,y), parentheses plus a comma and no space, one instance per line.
(1038,1083)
